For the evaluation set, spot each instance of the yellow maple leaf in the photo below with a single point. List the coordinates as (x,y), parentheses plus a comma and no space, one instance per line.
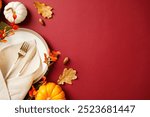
(67,76)
(44,10)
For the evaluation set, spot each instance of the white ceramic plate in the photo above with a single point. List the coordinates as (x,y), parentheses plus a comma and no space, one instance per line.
(23,34)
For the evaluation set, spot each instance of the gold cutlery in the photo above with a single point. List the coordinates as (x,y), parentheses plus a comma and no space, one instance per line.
(22,52)
(30,57)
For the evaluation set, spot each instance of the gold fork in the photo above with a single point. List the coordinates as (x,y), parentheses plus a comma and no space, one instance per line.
(22,52)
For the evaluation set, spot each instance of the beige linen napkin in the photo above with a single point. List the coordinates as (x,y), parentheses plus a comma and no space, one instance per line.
(16,87)
(4,94)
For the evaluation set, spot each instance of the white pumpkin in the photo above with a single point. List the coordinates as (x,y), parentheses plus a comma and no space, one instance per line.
(16,8)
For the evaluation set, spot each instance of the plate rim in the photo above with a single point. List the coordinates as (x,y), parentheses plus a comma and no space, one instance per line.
(45,44)
(37,34)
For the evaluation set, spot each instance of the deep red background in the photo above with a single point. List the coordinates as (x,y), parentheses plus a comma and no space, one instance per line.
(108,42)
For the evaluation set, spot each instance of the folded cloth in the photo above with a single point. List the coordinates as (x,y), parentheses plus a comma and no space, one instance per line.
(4,94)
(16,86)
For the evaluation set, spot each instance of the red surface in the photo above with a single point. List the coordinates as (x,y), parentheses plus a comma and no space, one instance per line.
(108,42)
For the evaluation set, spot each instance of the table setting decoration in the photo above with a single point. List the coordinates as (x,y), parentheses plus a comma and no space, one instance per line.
(67,76)
(24,75)
(43,9)
(19,80)
(17,10)
(6,31)
(54,92)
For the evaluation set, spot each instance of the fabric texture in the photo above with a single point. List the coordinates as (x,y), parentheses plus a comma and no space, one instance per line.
(16,86)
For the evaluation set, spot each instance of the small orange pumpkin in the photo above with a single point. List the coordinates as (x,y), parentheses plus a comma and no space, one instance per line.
(50,91)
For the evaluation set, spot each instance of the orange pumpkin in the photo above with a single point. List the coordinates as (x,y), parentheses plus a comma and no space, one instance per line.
(50,91)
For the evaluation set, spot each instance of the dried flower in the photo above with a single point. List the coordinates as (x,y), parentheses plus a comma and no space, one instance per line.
(52,57)
(32,92)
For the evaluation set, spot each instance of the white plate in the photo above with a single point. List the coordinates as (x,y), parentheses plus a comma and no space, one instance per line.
(23,34)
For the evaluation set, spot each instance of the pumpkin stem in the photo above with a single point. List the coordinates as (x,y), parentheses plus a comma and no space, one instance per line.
(14,13)
(10,9)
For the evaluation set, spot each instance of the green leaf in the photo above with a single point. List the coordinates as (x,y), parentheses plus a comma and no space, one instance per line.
(3,25)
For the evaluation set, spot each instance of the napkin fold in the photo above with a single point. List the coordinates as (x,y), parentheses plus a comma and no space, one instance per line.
(4,94)
(16,87)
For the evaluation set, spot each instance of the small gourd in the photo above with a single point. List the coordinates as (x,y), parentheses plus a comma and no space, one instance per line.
(50,91)
(15,12)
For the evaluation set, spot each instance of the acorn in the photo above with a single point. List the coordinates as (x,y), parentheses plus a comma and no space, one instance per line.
(66,60)
(41,21)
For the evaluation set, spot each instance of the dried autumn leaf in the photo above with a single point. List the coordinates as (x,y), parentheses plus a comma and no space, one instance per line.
(51,58)
(32,92)
(43,80)
(47,60)
(6,30)
(44,10)
(67,76)
(3,41)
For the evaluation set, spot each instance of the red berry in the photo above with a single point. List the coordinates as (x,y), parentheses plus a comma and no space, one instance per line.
(15,27)
(1,31)
(14,16)
(1,36)
(13,23)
